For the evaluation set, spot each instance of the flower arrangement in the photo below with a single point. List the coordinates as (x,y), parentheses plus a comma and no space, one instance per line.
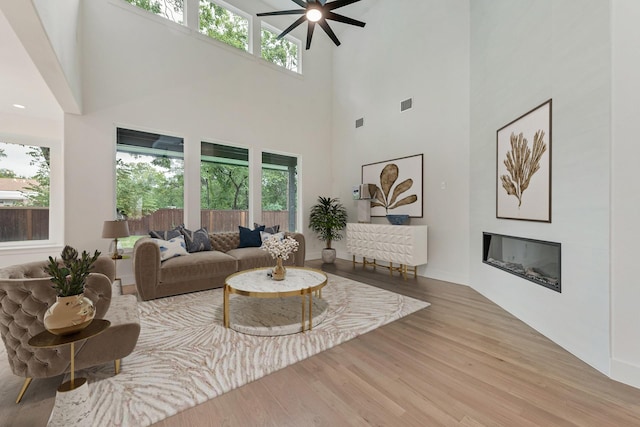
(69,278)
(280,248)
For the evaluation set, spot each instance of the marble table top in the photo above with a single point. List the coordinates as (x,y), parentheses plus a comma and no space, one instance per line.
(257,281)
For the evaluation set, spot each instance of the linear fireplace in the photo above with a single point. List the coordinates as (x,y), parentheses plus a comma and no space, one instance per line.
(535,260)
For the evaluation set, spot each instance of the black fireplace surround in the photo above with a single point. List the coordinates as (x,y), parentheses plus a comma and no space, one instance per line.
(535,260)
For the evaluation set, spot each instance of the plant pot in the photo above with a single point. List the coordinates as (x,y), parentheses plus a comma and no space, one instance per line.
(328,255)
(69,315)
(278,272)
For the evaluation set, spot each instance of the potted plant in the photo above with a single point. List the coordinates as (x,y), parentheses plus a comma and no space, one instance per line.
(328,218)
(72,311)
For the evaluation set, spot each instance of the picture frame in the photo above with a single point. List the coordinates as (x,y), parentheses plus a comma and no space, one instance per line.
(523,166)
(399,184)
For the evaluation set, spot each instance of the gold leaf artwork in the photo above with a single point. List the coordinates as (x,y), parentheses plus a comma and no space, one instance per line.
(388,177)
(521,163)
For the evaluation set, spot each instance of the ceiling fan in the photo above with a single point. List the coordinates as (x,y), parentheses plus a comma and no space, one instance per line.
(317,11)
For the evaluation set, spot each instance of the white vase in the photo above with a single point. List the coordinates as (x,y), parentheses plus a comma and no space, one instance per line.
(69,315)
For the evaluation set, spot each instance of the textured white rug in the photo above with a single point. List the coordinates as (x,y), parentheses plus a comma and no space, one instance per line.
(185,356)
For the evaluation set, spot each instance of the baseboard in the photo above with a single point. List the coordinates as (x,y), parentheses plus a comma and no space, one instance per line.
(626,373)
(445,276)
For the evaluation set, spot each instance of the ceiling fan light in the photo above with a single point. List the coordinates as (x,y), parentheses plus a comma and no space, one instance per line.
(314,15)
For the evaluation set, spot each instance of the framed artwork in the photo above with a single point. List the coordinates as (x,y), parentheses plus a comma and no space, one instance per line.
(398,186)
(523,178)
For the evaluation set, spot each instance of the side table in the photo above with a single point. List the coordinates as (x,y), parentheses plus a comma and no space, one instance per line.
(73,401)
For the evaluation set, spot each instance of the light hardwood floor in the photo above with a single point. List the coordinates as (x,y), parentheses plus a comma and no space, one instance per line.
(463,361)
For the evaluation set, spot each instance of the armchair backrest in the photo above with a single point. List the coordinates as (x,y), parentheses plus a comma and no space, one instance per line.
(23,303)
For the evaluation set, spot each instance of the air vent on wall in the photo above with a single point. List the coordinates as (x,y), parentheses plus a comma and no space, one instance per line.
(406,104)
(360,122)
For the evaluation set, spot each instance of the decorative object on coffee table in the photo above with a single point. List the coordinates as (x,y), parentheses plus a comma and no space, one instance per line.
(328,218)
(72,311)
(279,249)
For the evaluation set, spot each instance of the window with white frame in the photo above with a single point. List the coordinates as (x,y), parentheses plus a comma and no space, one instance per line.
(284,52)
(223,22)
(224,192)
(149,182)
(25,176)
(173,10)
(280,190)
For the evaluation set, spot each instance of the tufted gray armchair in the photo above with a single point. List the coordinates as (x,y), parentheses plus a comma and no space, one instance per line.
(26,294)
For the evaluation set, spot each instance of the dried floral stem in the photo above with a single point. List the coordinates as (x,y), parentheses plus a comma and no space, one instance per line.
(521,163)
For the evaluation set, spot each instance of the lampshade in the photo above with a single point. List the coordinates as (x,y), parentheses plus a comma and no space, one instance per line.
(115,229)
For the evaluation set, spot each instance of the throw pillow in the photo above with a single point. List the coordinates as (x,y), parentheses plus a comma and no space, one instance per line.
(196,241)
(264,236)
(171,248)
(166,234)
(250,238)
(270,230)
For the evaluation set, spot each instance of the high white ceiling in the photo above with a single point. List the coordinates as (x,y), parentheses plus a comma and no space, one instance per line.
(20,81)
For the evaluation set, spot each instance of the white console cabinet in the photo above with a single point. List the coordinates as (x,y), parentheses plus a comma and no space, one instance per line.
(405,245)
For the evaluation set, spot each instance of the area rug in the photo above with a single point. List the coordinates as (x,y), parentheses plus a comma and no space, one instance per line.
(185,356)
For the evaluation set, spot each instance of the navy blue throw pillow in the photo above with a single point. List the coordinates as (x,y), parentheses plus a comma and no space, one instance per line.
(250,238)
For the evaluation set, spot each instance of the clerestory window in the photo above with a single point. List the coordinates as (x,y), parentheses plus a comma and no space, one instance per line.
(225,23)
(173,10)
(284,52)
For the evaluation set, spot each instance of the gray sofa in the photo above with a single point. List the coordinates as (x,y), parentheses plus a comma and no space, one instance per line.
(200,270)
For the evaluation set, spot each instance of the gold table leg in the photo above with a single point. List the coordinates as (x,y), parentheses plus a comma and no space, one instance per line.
(226,306)
(27,381)
(73,367)
(303,310)
(310,310)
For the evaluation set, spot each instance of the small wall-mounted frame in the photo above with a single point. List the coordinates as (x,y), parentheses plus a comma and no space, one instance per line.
(523,167)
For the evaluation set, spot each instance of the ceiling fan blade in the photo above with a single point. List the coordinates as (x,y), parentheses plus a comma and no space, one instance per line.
(292,26)
(300,3)
(327,29)
(344,19)
(339,3)
(283,12)
(310,28)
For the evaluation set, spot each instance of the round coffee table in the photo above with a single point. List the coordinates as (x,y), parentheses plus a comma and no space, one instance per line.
(299,281)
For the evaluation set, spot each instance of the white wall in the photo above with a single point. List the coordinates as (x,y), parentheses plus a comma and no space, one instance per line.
(523,53)
(147,74)
(625,195)
(416,50)
(60,21)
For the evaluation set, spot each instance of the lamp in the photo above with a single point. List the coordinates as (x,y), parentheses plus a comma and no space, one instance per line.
(114,230)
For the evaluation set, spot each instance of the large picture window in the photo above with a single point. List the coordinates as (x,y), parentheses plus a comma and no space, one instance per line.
(224,195)
(24,192)
(149,182)
(279,190)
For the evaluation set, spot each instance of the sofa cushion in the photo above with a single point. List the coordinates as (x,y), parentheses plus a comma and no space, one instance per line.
(250,238)
(197,241)
(224,241)
(251,258)
(171,248)
(166,234)
(197,265)
(272,230)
